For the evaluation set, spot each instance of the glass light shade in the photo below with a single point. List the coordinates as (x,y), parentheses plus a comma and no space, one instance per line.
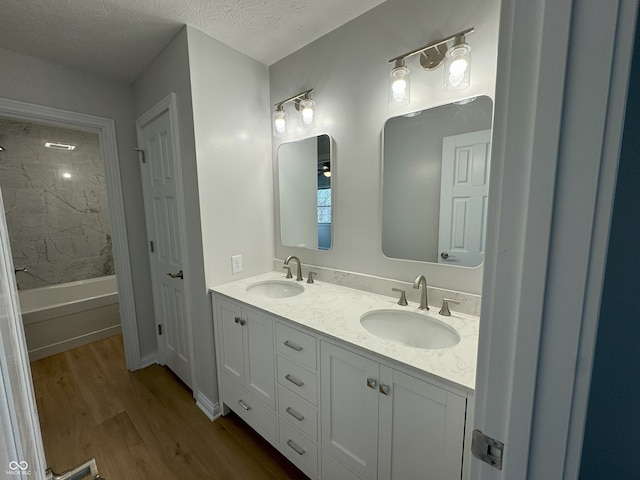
(399,85)
(307,113)
(457,67)
(279,122)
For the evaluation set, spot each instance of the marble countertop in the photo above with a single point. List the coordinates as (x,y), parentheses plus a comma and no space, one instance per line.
(335,311)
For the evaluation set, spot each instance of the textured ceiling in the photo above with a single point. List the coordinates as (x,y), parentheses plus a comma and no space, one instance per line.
(118,38)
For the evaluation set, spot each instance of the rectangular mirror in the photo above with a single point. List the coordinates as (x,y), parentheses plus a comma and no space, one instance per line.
(304,184)
(435,183)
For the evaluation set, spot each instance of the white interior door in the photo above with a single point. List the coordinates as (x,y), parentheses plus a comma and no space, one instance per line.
(160,181)
(21,450)
(463,198)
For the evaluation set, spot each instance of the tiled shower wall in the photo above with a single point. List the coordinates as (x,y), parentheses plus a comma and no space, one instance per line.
(55,203)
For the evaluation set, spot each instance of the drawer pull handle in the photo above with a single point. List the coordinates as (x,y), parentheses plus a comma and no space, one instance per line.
(295,447)
(371,382)
(293,346)
(244,405)
(294,414)
(294,380)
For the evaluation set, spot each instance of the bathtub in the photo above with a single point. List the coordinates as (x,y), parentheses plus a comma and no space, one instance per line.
(65,316)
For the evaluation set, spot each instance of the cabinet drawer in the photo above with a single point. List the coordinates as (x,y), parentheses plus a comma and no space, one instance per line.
(302,452)
(298,412)
(334,470)
(297,379)
(258,416)
(299,347)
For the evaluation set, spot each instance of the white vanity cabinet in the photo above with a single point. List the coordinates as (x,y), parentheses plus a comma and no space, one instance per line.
(335,410)
(245,355)
(381,423)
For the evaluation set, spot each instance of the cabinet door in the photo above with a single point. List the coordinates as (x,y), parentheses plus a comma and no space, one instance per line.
(349,409)
(421,429)
(231,344)
(260,376)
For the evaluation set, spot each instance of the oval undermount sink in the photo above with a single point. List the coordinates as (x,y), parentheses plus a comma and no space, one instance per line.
(411,329)
(275,289)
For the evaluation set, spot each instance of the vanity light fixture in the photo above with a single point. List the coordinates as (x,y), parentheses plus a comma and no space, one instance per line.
(457,62)
(304,104)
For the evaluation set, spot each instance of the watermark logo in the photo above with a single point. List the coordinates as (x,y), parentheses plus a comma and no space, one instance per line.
(18,468)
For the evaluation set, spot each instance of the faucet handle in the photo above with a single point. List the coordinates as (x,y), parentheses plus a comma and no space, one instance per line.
(403,296)
(288,271)
(311,274)
(445,306)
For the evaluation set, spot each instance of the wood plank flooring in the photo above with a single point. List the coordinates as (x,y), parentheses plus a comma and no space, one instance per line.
(141,425)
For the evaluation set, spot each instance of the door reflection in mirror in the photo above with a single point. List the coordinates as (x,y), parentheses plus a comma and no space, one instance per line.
(305,170)
(434,208)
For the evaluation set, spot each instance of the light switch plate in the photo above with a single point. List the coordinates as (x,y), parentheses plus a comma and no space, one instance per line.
(236,263)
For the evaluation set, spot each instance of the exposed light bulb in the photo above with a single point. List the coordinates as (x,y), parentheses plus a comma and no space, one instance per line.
(457,66)
(399,88)
(308,112)
(279,122)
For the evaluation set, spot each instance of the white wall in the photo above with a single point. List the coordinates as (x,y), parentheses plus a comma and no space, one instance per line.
(169,72)
(348,69)
(28,79)
(231,114)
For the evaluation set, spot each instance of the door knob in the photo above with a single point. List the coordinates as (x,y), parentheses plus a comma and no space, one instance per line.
(176,275)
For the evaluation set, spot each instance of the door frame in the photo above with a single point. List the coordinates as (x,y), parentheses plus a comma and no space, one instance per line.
(105,128)
(169,104)
(548,228)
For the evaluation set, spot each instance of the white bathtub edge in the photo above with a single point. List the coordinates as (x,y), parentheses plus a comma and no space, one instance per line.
(74,342)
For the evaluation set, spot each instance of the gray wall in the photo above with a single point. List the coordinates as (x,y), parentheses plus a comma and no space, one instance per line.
(35,81)
(349,70)
(55,204)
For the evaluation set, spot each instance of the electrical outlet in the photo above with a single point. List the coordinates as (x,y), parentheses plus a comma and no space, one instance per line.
(236,263)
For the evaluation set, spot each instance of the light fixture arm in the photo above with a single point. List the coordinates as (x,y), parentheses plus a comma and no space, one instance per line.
(295,98)
(431,45)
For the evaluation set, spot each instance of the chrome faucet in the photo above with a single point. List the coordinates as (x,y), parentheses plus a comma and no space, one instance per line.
(299,272)
(418,282)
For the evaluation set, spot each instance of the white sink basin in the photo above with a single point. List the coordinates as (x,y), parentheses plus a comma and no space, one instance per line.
(275,289)
(412,329)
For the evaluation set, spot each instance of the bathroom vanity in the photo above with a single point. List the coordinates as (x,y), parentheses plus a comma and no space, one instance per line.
(296,363)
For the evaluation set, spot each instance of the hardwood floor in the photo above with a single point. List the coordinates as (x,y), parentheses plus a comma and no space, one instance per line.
(141,425)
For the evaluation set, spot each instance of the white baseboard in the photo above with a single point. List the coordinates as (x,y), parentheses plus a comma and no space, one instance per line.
(68,344)
(148,360)
(210,409)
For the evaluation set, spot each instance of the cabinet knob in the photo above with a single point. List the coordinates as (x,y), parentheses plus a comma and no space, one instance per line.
(384,389)
(371,383)
(240,321)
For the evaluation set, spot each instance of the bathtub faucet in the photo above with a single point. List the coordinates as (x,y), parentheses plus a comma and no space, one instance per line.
(20,269)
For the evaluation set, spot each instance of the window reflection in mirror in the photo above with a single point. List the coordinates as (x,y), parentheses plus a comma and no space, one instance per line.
(304,183)
(435,183)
